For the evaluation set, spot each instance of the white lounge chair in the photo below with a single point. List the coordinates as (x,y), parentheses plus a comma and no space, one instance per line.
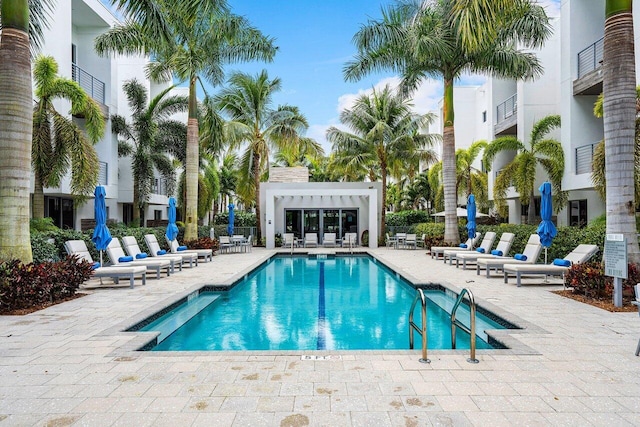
(503,247)
(486,245)
(329,239)
(130,245)
(580,254)
(531,252)
(79,248)
(117,256)
(205,254)
(289,240)
(437,251)
(156,251)
(350,240)
(311,239)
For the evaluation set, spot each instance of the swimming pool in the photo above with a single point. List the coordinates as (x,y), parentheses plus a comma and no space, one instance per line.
(308,303)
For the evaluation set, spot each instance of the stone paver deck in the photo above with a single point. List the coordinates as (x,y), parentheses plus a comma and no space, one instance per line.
(70,364)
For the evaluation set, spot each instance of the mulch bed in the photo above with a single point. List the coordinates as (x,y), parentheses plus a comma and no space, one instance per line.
(23,311)
(603,304)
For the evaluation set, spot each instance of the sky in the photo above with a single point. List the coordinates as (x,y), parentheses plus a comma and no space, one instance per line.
(314,39)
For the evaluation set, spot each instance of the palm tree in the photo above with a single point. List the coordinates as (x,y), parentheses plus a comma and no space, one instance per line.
(521,171)
(421,39)
(149,138)
(619,86)
(202,37)
(301,154)
(16,104)
(383,129)
(228,178)
(419,192)
(39,14)
(252,121)
(469,179)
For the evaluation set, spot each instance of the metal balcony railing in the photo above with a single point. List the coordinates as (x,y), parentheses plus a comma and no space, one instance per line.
(94,87)
(103,173)
(590,58)
(584,158)
(507,109)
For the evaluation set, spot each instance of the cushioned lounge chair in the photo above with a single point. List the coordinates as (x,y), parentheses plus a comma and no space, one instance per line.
(289,240)
(531,252)
(130,245)
(437,251)
(79,248)
(117,257)
(350,240)
(311,239)
(485,245)
(205,254)
(503,247)
(157,251)
(580,254)
(329,239)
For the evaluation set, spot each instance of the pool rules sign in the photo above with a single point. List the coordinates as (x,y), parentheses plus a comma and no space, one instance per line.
(615,263)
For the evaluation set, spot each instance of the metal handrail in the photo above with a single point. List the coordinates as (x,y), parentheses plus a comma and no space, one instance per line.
(590,58)
(94,87)
(422,331)
(507,108)
(456,323)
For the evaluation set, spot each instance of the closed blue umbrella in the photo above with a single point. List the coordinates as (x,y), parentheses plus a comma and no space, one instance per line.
(172,228)
(101,235)
(231,220)
(471,216)
(546,230)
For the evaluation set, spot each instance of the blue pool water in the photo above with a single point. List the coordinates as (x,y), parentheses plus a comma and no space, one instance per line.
(299,303)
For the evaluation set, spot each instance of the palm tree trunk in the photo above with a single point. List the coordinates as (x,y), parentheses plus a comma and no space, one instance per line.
(16,127)
(531,212)
(192,159)
(38,198)
(619,81)
(256,178)
(451,233)
(136,205)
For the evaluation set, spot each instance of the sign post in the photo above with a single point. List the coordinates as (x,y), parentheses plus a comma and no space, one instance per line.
(615,263)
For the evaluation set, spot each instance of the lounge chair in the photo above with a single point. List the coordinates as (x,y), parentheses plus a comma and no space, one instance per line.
(580,254)
(350,240)
(437,251)
(130,245)
(486,245)
(503,247)
(329,239)
(206,254)
(311,239)
(117,257)
(79,248)
(636,288)
(531,253)
(289,240)
(156,251)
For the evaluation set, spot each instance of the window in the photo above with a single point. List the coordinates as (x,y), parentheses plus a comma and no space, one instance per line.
(578,213)
(525,209)
(484,116)
(157,214)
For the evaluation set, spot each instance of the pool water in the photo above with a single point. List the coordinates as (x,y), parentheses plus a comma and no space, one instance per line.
(300,303)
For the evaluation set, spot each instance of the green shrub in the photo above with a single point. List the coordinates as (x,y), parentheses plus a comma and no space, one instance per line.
(240,219)
(43,249)
(42,224)
(406,218)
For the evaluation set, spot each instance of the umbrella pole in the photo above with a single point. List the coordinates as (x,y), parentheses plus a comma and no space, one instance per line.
(101,266)
(546,277)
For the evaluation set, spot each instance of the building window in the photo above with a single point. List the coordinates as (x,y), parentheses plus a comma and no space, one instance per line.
(484,116)
(524,210)
(157,214)
(578,213)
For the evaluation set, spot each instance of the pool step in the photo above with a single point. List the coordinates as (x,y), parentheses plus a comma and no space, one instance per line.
(173,320)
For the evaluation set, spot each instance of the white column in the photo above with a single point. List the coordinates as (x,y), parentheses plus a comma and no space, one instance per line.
(373,219)
(269,228)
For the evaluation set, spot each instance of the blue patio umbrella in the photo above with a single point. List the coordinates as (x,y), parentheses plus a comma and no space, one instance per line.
(101,235)
(172,228)
(231,219)
(471,216)
(546,230)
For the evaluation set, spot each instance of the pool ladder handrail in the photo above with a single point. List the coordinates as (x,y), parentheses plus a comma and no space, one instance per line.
(455,323)
(422,331)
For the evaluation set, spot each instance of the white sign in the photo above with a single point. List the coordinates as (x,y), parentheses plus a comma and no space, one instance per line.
(615,256)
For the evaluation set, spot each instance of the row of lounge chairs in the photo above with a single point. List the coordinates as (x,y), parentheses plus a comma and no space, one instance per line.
(135,263)
(328,240)
(518,265)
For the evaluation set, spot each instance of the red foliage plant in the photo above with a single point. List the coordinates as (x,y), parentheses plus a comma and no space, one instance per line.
(203,243)
(588,279)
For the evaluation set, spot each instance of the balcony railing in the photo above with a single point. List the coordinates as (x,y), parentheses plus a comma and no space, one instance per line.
(507,109)
(91,85)
(103,173)
(590,58)
(584,158)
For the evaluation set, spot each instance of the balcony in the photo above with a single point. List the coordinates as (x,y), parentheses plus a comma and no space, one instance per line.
(507,117)
(103,173)
(589,80)
(92,86)
(584,158)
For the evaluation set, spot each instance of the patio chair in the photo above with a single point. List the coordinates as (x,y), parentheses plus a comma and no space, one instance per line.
(420,242)
(156,251)
(391,241)
(79,248)
(247,244)
(636,288)
(311,239)
(437,251)
(130,245)
(503,247)
(118,257)
(224,244)
(580,254)
(176,248)
(329,239)
(485,247)
(411,240)
(531,253)
(289,240)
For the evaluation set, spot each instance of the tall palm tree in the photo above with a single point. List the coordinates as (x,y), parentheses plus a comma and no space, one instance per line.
(202,36)
(521,171)
(228,178)
(383,129)
(16,103)
(419,192)
(254,122)
(421,39)
(149,138)
(619,86)
(301,154)
(39,15)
